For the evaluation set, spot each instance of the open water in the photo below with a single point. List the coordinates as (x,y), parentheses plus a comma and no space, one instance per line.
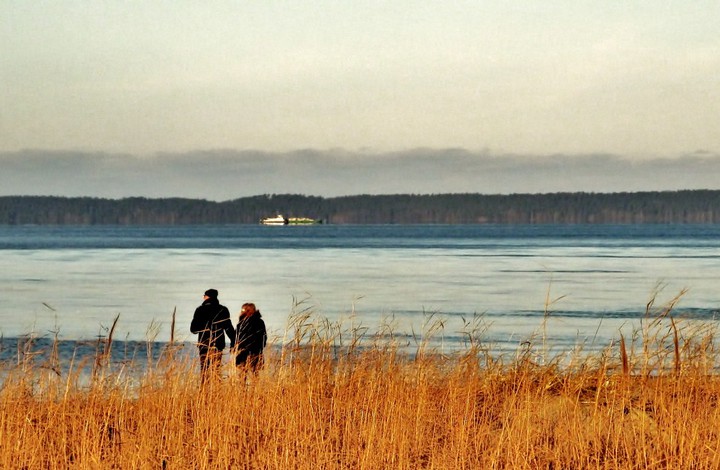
(505,285)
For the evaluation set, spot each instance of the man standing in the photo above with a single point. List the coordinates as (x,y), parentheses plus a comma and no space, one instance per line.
(211,323)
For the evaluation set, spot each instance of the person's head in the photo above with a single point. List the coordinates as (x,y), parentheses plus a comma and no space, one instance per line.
(248,310)
(211,294)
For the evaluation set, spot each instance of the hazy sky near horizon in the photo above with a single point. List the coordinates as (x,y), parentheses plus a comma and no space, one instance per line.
(372,84)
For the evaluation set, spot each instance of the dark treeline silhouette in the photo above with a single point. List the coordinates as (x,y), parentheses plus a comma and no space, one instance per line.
(692,206)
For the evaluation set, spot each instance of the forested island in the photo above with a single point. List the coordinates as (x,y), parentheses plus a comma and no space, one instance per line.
(691,206)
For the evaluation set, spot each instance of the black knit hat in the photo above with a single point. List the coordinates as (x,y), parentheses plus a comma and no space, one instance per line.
(212,293)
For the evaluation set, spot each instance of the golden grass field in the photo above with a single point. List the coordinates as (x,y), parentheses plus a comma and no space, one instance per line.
(323,402)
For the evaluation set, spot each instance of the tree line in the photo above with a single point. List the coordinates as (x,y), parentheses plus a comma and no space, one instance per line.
(690,206)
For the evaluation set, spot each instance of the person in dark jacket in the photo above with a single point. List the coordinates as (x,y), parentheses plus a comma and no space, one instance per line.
(211,322)
(250,339)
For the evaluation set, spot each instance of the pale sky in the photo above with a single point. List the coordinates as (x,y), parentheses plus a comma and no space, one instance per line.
(635,80)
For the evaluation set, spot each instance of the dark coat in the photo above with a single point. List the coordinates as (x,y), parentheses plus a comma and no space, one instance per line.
(251,335)
(212,322)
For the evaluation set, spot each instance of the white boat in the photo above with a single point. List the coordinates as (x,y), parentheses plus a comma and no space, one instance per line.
(277,220)
(280,220)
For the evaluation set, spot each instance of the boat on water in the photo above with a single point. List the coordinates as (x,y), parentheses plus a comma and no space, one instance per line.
(277,220)
(302,221)
(280,220)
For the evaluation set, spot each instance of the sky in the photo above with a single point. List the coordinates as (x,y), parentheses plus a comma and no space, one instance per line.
(224,99)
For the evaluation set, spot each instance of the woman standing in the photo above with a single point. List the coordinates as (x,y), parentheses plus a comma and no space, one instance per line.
(250,338)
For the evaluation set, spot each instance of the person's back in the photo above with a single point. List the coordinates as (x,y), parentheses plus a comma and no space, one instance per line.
(251,337)
(211,322)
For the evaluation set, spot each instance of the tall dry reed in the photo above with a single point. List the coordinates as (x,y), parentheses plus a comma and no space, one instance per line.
(333,399)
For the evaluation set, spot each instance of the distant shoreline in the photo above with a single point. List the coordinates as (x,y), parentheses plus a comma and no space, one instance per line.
(664,207)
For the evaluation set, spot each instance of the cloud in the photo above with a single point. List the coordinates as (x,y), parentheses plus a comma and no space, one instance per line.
(229,174)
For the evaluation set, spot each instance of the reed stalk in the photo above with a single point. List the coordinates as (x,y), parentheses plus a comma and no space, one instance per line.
(324,400)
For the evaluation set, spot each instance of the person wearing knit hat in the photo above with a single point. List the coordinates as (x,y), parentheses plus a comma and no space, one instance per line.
(211,322)
(212,293)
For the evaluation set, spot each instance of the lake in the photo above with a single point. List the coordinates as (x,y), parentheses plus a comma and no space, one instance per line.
(507,284)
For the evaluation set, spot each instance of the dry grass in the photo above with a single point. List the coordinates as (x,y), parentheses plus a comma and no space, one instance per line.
(325,402)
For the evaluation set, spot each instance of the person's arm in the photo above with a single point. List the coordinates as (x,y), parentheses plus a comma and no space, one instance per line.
(229,330)
(197,325)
